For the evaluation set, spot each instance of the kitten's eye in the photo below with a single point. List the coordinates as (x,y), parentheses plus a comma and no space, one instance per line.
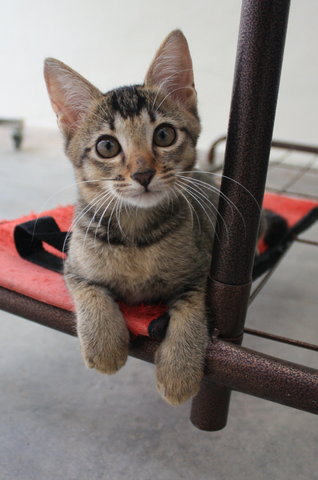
(164,136)
(107,146)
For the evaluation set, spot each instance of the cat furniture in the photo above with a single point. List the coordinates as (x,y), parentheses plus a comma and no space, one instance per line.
(229,366)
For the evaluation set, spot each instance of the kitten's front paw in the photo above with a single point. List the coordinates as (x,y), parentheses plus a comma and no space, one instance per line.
(178,378)
(106,353)
(106,360)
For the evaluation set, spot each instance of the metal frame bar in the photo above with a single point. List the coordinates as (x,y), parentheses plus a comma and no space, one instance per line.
(228,365)
(298,147)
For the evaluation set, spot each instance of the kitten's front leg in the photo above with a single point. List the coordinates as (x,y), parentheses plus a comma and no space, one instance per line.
(101,328)
(180,357)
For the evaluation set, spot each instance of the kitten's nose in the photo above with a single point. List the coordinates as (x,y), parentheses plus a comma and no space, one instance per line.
(144,178)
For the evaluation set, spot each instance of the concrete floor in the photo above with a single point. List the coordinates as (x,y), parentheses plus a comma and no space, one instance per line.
(62,421)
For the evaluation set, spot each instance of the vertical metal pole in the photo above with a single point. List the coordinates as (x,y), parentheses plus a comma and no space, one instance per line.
(256,81)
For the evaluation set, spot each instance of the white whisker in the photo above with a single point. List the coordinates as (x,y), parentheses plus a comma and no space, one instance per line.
(118,211)
(199,202)
(110,219)
(57,192)
(219,192)
(166,80)
(202,184)
(208,203)
(191,209)
(104,199)
(230,179)
(80,215)
(170,93)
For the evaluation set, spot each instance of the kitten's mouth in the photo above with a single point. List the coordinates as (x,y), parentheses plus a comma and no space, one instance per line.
(145,199)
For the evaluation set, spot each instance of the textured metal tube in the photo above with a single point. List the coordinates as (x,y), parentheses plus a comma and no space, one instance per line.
(228,365)
(279,338)
(263,376)
(38,312)
(296,147)
(234,367)
(256,81)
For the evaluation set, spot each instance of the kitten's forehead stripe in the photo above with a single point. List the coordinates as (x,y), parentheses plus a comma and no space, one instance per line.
(103,114)
(128,101)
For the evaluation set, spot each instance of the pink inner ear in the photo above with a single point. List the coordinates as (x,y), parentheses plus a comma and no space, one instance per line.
(67,118)
(67,114)
(171,70)
(70,94)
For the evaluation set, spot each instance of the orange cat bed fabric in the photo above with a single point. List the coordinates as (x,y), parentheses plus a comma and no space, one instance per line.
(47,286)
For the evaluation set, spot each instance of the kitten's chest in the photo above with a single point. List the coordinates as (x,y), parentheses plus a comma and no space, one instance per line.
(137,264)
(142,274)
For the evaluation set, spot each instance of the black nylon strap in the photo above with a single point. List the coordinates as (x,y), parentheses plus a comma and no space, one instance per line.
(29,238)
(270,257)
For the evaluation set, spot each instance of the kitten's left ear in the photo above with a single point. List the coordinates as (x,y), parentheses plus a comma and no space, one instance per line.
(171,70)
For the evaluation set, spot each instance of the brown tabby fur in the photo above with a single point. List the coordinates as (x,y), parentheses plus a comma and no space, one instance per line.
(131,243)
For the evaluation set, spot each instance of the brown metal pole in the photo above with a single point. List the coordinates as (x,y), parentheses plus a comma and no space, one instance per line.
(263,376)
(256,82)
(234,367)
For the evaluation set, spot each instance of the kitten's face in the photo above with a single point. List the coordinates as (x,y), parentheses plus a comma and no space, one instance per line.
(132,148)
(130,143)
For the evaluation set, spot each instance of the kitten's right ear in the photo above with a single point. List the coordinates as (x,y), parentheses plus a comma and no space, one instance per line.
(70,94)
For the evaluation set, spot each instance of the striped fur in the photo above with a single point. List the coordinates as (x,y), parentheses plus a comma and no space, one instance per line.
(143,229)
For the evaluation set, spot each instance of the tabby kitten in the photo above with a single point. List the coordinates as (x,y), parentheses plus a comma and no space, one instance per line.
(143,228)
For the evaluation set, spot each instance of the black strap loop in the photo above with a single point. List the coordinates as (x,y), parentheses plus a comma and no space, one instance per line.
(29,237)
(265,261)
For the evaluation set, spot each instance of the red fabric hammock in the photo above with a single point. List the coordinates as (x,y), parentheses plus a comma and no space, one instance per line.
(48,287)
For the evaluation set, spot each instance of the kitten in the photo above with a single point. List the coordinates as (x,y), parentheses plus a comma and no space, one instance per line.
(144,223)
